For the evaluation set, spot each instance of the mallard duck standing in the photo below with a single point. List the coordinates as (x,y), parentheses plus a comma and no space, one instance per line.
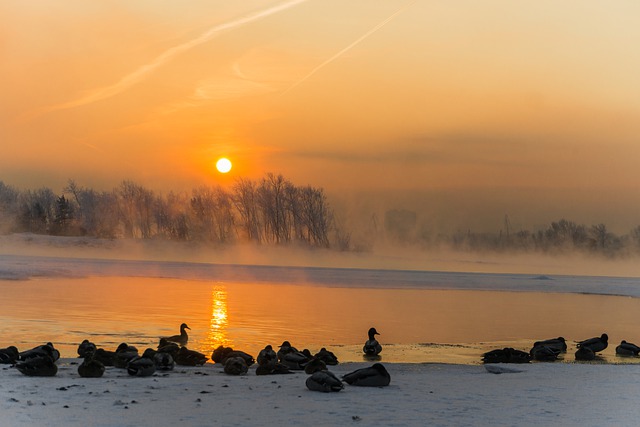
(372,347)
(181,339)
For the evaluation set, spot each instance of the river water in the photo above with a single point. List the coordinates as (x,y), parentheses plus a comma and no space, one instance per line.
(416,325)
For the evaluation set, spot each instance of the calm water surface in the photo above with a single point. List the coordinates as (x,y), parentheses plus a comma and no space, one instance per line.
(452,326)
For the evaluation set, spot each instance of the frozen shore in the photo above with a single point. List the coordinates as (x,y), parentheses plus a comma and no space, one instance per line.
(419,394)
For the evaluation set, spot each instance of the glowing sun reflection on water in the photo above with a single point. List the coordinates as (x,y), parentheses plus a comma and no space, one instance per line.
(219,322)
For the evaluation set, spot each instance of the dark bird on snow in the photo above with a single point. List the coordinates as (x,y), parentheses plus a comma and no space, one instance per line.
(107,357)
(585,353)
(544,353)
(324,381)
(291,357)
(141,367)
(124,353)
(556,343)
(186,357)
(235,366)
(315,365)
(267,356)
(374,376)
(326,356)
(275,369)
(9,355)
(627,349)
(85,347)
(181,339)
(90,367)
(163,361)
(596,344)
(372,347)
(38,366)
(42,350)
(506,355)
(220,353)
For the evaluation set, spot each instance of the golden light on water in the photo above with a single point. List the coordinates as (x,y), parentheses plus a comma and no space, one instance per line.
(218,323)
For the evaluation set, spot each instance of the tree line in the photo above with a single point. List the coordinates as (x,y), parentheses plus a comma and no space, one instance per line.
(269,211)
(560,236)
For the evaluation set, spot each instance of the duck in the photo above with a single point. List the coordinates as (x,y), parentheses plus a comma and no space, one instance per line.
(90,367)
(291,357)
(124,353)
(627,349)
(235,366)
(273,369)
(585,353)
(374,376)
(9,355)
(41,350)
(163,361)
(141,366)
(220,353)
(372,347)
(315,365)
(506,355)
(267,356)
(181,339)
(326,356)
(556,343)
(186,357)
(85,347)
(38,366)
(596,344)
(544,353)
(324,381)
(107,357)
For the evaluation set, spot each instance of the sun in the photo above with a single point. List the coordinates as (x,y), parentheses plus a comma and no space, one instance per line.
(223,165)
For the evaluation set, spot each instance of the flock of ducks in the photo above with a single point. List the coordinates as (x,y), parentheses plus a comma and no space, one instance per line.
(549,350)
(171,351)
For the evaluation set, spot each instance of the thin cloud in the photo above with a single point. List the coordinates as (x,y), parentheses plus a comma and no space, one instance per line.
(138,75)
(346,49)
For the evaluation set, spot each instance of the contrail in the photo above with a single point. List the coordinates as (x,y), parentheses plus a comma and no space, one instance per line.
(343,51)
(139,74)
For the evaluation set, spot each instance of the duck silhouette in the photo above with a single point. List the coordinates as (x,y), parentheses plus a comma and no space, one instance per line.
(181,339)
(506,355)
(326,356)
(124,353)
(163,361)
(141,366)
(585,353)
(38,366)
(186,357)
(544,353)
(90,367)
(596,344)
(324,381)
(315,365)
(290,357)
(267,356)
(9,355)
(555,343)
(372,347)
(42,350)
(235,366)
(374,376)
(627,349)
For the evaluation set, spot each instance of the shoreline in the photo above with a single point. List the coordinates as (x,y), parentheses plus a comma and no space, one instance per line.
(580,394)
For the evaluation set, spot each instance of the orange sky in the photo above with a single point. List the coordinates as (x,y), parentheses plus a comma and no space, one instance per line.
(530,107)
